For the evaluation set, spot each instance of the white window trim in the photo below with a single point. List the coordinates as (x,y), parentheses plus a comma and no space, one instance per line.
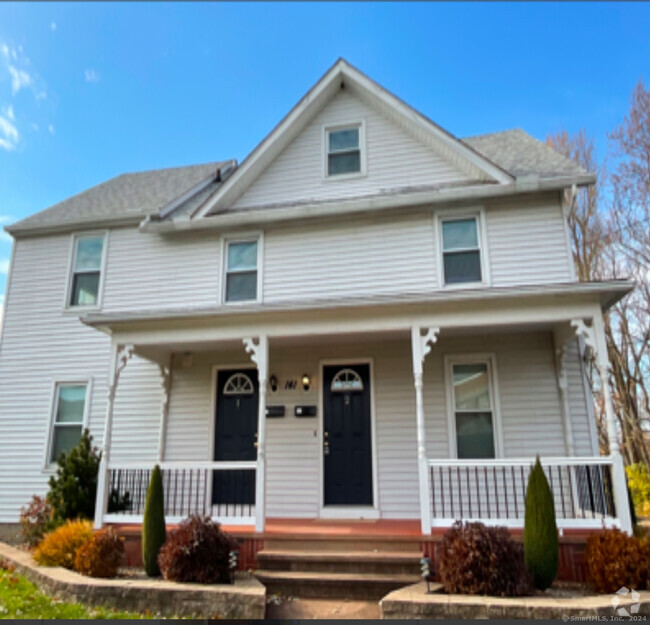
(481,231)
(48,466)
(495,398)
(242,238)
(102,271)
(361,125)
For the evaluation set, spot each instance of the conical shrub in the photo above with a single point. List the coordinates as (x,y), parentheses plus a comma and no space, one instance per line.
(541,548)
(153,524)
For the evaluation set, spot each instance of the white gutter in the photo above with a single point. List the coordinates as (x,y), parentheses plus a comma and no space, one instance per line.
(263,215)
(609,293)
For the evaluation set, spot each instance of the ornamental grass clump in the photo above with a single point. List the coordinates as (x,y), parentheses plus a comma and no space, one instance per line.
(198,551)
(101,556)
(541,548)
(153,524)
(614,559)
(481,560)
(59,548)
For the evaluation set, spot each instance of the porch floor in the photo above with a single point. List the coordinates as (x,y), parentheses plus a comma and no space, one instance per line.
(330,528)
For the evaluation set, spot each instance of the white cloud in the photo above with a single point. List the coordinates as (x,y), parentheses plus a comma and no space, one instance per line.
(4,49)
(9,112)
(51,129)
(91,75)
(5,219)
(19,79)
(8,134)
(53,26)
(6,237)
(4,266)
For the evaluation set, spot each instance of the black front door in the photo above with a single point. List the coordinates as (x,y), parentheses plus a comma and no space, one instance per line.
(235,434)
(346,435)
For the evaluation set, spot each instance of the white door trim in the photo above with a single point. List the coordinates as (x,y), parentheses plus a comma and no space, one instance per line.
(348,512)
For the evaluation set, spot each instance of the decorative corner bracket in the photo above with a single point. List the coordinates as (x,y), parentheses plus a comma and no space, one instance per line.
(586,332)
(258,352)
(422,345)
(122,357)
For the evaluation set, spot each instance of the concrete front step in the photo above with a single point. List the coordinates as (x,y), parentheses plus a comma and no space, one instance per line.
(316,584)
(383,562)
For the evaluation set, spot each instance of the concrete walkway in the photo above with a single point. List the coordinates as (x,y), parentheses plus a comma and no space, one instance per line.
(246,599)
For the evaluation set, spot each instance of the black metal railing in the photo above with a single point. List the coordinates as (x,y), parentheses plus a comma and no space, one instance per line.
(496,489)
(220,489)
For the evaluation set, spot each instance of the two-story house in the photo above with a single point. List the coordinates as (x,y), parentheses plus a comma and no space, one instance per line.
(367,319)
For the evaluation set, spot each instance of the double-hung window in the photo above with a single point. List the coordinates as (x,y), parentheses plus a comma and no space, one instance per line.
(344,150)
(473,409)
(461,250)
(241,271)
(68,418)
(87,264)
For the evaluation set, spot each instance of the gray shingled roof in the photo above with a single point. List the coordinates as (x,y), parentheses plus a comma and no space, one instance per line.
(141,194)
(522,155)
(128,195)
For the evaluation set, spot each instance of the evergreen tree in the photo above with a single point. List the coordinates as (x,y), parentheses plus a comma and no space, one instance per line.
(73,489)
(541,549)
(153,524)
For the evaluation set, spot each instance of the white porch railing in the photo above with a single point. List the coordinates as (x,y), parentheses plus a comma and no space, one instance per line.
(494,491)
(223,490)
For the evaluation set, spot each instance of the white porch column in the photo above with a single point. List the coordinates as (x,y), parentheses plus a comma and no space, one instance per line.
(259,353)
(594,338)
(420,347)
(120,355)
(166,382)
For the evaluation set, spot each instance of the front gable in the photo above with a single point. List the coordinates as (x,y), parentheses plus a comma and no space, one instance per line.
(395,161)
(405,151)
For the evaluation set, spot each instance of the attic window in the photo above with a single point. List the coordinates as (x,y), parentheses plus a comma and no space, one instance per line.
(344,150)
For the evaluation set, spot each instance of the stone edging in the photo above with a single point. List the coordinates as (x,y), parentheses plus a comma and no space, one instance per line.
(246,599)
(413,602)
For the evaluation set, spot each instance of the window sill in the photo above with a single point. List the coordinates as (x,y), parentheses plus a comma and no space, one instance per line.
(343,177)
(80,310)
(455,286)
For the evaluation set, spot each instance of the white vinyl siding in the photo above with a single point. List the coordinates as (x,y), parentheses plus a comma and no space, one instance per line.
(526,241)
(380,255)
(394,160)
(146,272)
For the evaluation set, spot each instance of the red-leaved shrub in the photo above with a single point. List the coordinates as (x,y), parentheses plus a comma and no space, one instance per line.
(198,551)
(101,556)
(614,559)
(36,520)
(481,560)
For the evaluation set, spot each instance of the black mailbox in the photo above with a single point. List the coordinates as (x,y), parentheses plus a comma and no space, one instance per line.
(274,411)
(305,411)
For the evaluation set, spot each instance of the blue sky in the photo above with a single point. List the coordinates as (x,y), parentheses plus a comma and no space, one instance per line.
(90,91)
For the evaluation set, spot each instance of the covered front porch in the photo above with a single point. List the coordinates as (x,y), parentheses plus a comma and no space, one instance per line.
(422,367)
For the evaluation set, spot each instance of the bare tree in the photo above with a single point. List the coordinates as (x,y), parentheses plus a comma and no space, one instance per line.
(609,225)
(629,347)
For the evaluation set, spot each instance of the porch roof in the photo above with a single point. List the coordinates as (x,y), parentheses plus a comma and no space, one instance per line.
(455,308)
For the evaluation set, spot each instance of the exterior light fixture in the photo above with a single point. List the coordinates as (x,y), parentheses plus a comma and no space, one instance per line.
(273,383)
(306,382)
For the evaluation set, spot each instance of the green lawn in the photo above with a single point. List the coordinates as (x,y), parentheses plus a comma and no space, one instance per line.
(20,599)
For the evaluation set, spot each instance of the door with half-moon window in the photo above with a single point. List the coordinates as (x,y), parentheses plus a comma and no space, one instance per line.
(235,435)
(347,438)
